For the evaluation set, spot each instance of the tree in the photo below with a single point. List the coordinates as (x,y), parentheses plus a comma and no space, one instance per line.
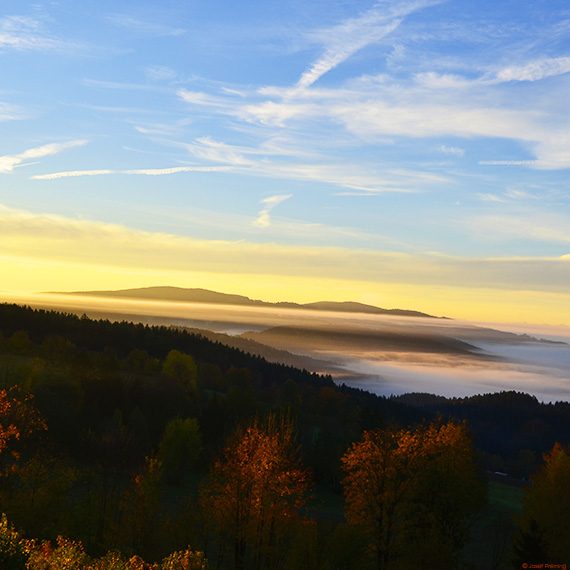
(57,348)
(19,419)
(179,448)
(8,429)
(544,530)
(140,361)
(65,555)
(36,495)
(255,495)
(12,547)
(409,491)
(20,342)
(379,469)
(448,491)
(140,517)
(241,398)
(182,369)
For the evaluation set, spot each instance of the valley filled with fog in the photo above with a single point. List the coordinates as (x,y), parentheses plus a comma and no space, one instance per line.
(382,354)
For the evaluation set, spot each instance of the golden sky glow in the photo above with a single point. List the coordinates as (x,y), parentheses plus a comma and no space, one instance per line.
(55,253)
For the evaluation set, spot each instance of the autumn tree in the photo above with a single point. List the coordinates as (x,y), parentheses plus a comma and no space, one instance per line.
(255,495)
(544,534)
(19,419)
(411,493)
(12,547)
(379,471)
(8,429)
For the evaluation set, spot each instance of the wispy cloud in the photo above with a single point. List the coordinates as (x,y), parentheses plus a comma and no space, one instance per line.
(429,119)
(121,85)
(125,110)
(209,149)
(163,129)
(510,195)
(137,171)
(286,164)
(11,161)
(439,81)
(263,219)
(373,110)
(489,197)
(461,116)
(528,163)
(452,150)
(347,38)
(276,113)
(518,194)
(174,170)
(535,70)
(204,99)
(143,26)
(71,174)
(345,176)
(25,33)
(160,73)
(10,112)
(535,226)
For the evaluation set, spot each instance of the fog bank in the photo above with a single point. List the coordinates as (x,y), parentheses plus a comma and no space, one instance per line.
(380,353)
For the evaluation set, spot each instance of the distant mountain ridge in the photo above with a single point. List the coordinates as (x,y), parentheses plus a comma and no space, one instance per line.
(297,339)
(180,294)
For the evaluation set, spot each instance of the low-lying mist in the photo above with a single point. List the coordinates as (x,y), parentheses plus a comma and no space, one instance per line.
(379,353)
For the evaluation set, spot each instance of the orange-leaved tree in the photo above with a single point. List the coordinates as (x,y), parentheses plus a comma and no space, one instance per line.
(255,494)
(411,493)
(18,420)
(8,429)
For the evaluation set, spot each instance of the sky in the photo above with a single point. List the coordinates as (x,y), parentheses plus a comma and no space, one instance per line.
(404,153)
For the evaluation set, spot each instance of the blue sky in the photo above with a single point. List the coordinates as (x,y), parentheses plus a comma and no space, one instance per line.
(416,128)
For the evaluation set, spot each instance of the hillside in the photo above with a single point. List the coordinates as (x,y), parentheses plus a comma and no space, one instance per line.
(267,352)
(301,339)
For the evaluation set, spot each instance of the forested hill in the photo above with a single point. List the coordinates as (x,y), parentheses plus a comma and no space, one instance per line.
(504,424)
(242,384)
(187,295)
(121,338)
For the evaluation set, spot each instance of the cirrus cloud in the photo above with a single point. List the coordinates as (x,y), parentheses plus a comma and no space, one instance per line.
(263,219)
(10,161)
